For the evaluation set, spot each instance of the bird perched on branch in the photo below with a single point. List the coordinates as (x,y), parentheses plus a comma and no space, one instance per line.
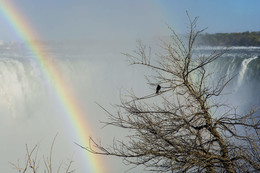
(158,89)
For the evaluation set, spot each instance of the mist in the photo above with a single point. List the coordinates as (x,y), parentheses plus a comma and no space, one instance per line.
(31,113)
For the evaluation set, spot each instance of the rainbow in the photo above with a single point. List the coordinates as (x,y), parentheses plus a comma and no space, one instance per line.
(64,94)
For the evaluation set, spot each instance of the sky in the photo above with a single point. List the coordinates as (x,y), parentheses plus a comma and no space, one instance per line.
(116,19)
(217,16)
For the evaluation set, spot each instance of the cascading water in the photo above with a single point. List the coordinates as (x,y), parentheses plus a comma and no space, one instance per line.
(21,87)
(243,70)
(243,65)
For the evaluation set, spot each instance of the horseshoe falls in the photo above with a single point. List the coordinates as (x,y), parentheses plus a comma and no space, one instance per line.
(243,64)
(30,112)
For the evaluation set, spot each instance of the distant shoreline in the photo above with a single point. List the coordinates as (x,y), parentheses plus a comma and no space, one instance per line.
(231,39)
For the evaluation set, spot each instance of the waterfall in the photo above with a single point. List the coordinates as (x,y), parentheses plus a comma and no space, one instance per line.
(243,70)
(24,92)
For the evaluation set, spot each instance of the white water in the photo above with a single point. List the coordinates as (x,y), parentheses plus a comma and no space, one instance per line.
(243,70)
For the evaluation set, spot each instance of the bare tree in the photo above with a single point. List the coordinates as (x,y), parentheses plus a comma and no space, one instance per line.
(32,162)
(182,127)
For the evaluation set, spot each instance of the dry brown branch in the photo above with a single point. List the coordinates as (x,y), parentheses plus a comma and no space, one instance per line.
(33,164)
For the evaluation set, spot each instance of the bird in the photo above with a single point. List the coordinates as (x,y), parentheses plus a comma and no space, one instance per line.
(158,89)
